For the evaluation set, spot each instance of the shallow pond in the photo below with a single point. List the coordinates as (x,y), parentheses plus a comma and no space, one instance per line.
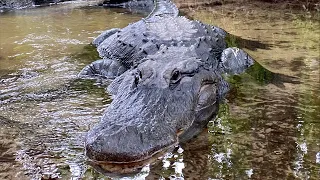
(264,130)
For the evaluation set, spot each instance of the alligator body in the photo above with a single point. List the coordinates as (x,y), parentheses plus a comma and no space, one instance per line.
(167,85)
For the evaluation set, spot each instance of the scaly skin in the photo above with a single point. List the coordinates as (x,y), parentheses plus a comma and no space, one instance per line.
(167,84)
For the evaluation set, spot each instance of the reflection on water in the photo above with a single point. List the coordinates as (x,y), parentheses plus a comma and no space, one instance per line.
(264,130)
(267,131)
(45,112)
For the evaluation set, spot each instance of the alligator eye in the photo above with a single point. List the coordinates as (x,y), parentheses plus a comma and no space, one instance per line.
(136,80)
(140,74)
(137,77)
(175,77)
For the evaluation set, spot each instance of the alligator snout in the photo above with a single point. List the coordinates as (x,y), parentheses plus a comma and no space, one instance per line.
(127,143)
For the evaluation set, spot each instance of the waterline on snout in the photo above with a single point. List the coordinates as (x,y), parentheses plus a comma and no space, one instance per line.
(118,169)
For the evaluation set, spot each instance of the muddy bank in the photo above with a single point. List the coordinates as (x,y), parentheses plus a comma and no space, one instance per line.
(286,10)
(19,4)
(311,5)
(14,4)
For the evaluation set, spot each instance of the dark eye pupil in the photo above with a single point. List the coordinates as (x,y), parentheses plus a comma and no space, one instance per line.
(175,75)
(136,80)
(137,77)
(140,74)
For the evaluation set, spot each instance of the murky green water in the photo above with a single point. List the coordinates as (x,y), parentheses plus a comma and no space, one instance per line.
(264,131)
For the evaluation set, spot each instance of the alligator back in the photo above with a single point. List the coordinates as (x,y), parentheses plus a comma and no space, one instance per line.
(131,43)
(162,27)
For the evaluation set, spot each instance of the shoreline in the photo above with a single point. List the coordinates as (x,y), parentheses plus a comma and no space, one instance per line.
(310,5)
(253,8)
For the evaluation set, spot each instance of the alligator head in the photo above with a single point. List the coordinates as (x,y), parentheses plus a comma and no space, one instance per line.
(166,99)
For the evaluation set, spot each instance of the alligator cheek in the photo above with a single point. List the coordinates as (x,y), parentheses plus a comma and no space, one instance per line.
(207,96)
(207,102)
(127,145)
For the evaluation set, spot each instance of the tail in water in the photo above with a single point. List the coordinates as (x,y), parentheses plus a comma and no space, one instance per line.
(140,6)
(163,8)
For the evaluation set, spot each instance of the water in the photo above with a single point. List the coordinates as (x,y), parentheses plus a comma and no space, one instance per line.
(264,130)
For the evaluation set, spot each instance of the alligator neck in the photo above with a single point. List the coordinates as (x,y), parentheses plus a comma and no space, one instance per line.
(163,8)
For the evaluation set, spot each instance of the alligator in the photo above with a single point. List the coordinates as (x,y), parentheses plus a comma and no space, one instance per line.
(167,77)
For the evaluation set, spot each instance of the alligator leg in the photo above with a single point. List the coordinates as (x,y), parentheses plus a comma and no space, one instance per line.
(103,68)
(235,61)
(97,41)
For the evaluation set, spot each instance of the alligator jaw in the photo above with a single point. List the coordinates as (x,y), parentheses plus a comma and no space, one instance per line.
(120,168)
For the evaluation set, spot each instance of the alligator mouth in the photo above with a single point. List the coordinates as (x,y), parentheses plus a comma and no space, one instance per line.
(111,168)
